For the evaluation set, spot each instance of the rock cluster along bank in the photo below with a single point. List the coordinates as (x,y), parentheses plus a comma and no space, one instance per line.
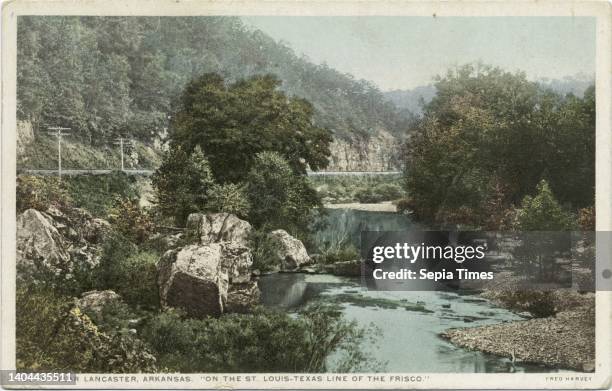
(212,275)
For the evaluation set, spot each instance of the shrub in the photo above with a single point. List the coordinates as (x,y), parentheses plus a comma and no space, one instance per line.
(264,250)
(379,193)
(540,304)
(182,184)
(129,219)
(229,198)
(115,251)
(367,195)
(238,342)
(280,198)
(54,335)
(40,193)
(539,250)
(97,193)
(128,271)
(586,219)
(542,212)
(344,254)
(137,280)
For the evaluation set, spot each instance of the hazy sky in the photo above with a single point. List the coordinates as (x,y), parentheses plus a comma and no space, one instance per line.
(406,52)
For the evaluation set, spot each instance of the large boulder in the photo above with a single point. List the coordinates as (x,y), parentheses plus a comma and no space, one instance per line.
(290,252)
(56,240)
(39,243)
(217,227)
(198,278)
(78,225)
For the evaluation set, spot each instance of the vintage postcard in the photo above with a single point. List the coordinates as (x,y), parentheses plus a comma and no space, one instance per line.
(306,195)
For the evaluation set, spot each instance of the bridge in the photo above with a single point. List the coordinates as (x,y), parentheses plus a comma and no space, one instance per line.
(144,172)
(356,173)
(85,172)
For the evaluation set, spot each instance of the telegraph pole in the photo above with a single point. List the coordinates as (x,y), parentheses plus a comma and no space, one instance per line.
(121,143)
(58,132)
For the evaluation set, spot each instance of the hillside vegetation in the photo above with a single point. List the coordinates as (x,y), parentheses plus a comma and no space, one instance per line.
(116,76)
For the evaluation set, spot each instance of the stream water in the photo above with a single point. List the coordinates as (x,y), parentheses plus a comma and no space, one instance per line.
(408,323)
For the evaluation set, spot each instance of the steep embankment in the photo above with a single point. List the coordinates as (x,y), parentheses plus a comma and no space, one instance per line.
(36,150)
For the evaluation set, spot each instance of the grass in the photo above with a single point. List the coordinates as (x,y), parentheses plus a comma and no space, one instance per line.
(336,189)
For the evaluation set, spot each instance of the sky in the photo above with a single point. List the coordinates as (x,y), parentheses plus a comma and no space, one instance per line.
(407,52)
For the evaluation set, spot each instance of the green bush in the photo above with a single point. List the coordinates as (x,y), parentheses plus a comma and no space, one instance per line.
(40,193)
(130,272)
(97,193)
(229,198)
(182,184)
(379,193)
(263,341)
(54,335)
(540,304)
(137,281)
(115,251)
(542,212)
(344,254)
(279,197)
(264,250)
(129,219)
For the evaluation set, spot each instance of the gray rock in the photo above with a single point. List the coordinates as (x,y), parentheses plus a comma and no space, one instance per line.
(95,301)
(165,242)
(39,243)
(197,278)
(217,227)
(290,252)
(242,297)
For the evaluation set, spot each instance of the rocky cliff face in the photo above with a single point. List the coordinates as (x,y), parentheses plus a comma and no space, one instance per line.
(54,241)
(378,153)
(25,136)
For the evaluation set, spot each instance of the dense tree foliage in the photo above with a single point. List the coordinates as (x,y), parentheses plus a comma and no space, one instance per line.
(232,123)
(109,76)
(182,184)
(489,137)
(542,212)
(279,198)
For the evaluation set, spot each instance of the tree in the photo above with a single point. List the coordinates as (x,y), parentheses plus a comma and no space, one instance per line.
(487,129)
(542,212)
(543,226)
(233,123)
(182,184)
(229,198)
(278,198)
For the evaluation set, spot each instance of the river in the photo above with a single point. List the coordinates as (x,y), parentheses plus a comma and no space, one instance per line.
(409,322)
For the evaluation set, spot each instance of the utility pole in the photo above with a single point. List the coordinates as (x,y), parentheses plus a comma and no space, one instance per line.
(58,132)
(121,144)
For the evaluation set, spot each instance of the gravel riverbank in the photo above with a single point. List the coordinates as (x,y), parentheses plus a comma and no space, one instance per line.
(565,341)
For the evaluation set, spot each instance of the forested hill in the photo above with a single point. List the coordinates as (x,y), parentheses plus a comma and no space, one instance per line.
(111,76)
